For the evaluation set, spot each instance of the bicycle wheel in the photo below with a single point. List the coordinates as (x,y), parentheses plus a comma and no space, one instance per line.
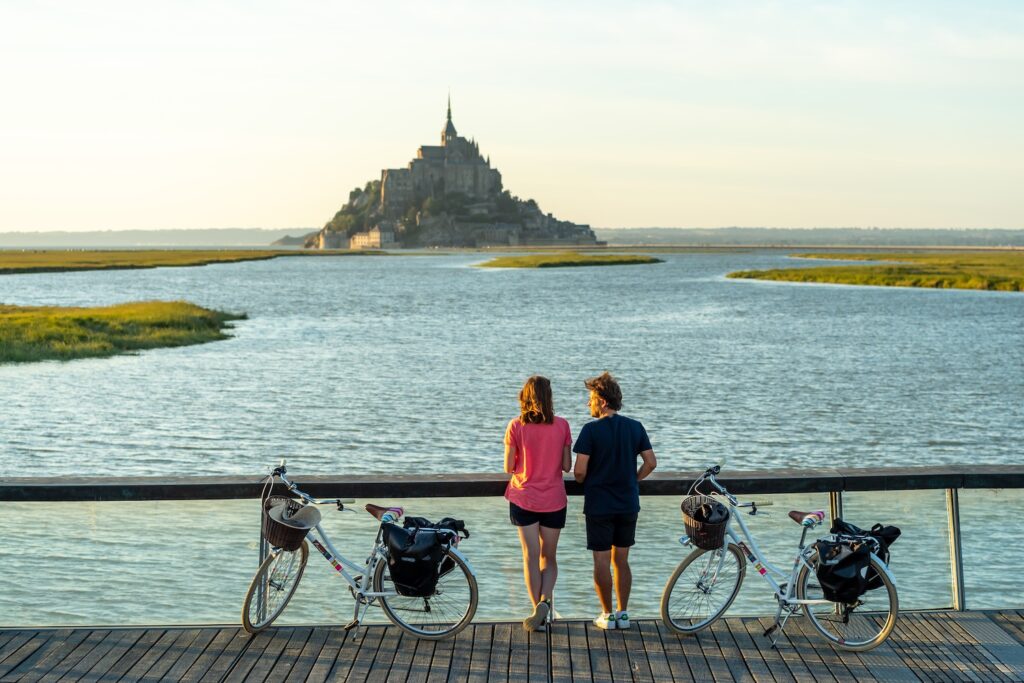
(278,577)
(443,614)
(856,627)
(702,587)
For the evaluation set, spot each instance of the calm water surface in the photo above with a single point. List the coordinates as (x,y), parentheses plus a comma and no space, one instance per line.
(412,363)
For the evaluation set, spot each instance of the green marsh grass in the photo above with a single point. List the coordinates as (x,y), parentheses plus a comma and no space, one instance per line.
(988,270)
(567,259)
(37,333)
(59,260)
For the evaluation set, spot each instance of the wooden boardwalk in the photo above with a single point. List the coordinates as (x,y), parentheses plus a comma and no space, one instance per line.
(934,646)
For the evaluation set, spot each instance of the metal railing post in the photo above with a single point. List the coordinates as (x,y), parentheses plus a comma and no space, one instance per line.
(835,504)
(956,553)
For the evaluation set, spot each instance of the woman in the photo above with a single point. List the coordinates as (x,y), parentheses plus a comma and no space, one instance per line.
(536,454)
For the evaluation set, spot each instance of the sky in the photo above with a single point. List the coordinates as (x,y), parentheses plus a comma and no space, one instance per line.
(124,115)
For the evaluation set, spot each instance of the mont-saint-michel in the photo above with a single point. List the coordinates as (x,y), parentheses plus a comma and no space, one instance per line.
(448,196)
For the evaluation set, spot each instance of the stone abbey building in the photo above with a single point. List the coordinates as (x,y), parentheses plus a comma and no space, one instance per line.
(453,166)
(447,196)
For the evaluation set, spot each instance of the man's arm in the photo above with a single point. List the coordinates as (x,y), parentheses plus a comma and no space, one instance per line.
(566,459)
(647,466)
(580,470)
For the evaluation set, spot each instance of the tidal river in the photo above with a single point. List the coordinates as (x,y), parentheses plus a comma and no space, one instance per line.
(412,364)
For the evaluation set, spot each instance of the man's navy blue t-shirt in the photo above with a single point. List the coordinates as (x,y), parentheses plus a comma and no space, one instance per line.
(613,444)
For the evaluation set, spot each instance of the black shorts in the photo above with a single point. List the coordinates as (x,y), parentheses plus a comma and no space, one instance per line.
(521,517)
(605,531)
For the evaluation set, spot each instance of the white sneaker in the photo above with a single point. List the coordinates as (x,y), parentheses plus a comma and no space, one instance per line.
(606,621)
(539,618)
(622,619)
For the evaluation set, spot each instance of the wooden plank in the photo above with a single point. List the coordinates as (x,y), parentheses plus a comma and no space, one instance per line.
(282,667)
(886,664)
(954,625)
(786,651)
(251,654)
(678,664)
(214,649)
(401,663)
(137,651)
(35,643)
(190,654)
(103,662)
(519,655)
(15,643)
(691,649)
(347,654)
(162,665)
(705,640)
(540,663)
(307,657)
(387,651)
(482,642)
(421,660)
(1011,623)
(906,643)
(995,640)
(39,663)
(943,654)
(363,661)
(960,654)
(87,645)
(236,648)
(770,655)
(501,649)
(579,656)
(462,653)
(817,649)
(441,661)
(621,667)
(324,663)
(597,645)
(756,665)
(650,640)
(733,656)
(637,657)
(560,654)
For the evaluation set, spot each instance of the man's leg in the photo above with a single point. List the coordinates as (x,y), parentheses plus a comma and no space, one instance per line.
(603,579)
(623,578)
(529,537)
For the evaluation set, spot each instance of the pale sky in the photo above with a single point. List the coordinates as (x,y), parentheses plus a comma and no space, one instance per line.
(118,115)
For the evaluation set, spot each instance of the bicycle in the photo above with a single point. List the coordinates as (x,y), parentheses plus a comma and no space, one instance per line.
(441,615)
(706,582)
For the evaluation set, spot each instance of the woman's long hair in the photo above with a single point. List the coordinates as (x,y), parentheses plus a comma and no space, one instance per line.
(535,403)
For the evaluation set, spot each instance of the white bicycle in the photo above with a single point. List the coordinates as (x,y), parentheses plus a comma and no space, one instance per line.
(706,582)
(442,614)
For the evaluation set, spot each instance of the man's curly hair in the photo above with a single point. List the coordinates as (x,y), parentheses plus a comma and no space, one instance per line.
(605,386)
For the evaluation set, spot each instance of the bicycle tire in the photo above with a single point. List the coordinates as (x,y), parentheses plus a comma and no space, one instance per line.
(874,624)
(730,584)
(284,589)
(449,623)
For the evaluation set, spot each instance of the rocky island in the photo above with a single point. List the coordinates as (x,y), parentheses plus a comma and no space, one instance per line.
(449,195)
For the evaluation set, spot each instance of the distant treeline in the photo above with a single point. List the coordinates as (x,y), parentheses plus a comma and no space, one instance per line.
(883,237)
(121,239)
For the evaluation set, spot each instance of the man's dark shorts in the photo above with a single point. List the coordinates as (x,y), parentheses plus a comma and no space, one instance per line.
(523,517)
(605,531)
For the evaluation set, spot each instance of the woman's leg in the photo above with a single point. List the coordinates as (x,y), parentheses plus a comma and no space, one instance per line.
(548,561)
(529,537)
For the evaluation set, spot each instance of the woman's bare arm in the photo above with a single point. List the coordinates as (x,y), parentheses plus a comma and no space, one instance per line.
(566,459)
(510,459)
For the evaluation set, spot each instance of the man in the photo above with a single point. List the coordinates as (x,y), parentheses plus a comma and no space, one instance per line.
(606,452)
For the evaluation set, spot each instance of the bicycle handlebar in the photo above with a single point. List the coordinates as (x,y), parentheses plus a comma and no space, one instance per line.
(709,476)
(281,473)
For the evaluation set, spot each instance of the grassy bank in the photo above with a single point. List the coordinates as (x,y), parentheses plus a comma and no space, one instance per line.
(567,259)
(999,270)
(56,261)
(36,333)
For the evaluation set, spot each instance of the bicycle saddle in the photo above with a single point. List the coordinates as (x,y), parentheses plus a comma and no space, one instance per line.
(379,511)
(807,518)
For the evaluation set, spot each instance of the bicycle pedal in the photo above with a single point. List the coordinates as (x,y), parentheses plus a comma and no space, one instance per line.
(351,625)
(770,630)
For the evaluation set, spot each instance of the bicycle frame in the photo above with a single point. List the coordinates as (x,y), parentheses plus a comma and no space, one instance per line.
(360,583)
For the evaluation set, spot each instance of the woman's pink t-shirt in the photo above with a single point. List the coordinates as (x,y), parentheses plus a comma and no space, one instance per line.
(536,483)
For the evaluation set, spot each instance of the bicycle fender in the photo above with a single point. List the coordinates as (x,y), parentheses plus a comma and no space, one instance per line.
(458,553)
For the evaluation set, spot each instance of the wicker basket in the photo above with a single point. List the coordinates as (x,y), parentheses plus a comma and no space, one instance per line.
(703,534)
(281,535)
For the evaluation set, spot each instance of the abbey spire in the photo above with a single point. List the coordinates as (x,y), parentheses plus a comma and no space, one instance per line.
(449,132)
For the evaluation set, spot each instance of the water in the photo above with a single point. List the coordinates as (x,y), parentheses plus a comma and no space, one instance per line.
(413,363)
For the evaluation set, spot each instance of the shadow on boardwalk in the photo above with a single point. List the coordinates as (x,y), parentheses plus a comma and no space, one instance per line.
(935,646)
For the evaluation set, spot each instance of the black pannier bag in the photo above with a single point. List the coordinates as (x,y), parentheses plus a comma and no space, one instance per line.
(842,569)
(884,535)
(413,559)
(417,553)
